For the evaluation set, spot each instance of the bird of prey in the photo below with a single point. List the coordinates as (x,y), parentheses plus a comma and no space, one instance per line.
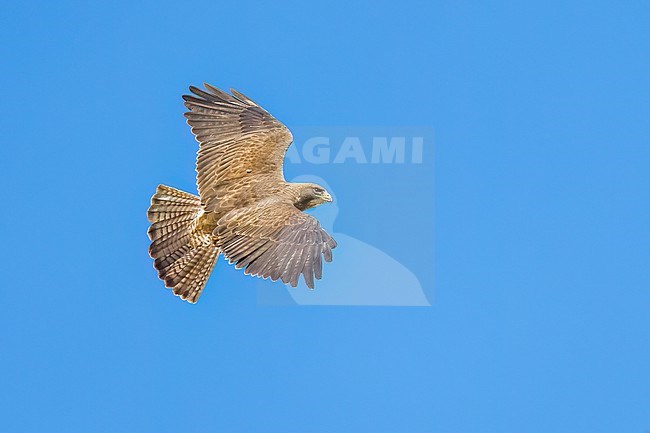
(245,209)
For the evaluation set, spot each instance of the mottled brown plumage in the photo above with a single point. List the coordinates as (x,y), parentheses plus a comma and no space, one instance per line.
(246,210)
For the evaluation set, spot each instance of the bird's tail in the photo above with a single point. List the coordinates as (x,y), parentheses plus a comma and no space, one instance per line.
(183,256)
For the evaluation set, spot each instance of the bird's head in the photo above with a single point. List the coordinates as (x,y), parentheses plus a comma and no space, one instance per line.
(311,195)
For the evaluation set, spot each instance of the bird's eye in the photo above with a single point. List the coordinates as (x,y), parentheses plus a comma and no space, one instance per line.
(318,190)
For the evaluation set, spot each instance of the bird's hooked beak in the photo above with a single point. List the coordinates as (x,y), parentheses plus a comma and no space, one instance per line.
(327,196)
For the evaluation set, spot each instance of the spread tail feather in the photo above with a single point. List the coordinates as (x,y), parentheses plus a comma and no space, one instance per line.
(183,256)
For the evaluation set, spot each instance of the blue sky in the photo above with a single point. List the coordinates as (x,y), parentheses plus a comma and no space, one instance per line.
(539,283)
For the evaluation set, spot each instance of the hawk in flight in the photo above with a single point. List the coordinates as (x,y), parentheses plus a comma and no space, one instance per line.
(245,209)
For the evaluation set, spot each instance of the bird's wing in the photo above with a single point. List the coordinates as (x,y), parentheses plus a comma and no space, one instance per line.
(237,139)
(275,240)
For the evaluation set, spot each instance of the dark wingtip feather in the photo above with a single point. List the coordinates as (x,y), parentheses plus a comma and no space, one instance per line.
(309,280)
(327,253)
(211,88)
(243,98)
(219,93)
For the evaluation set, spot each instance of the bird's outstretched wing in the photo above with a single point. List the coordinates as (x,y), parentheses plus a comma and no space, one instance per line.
(238,139)
(275,240)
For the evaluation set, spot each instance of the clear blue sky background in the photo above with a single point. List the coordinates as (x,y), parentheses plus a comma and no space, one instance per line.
(541,315)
